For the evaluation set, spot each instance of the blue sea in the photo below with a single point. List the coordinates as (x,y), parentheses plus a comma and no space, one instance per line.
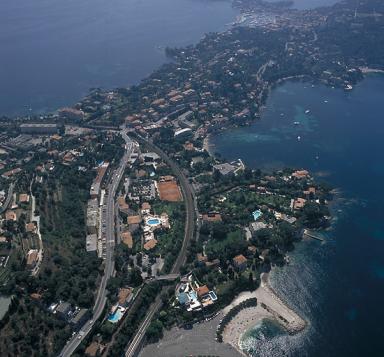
(54,51)
(338,285)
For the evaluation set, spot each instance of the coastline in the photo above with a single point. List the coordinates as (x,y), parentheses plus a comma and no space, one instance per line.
(269,306)
(207,145)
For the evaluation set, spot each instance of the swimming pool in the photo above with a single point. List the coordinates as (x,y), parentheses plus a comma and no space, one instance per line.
(153,221)
(213,296)
(116,316)
(257,214)
(193,295)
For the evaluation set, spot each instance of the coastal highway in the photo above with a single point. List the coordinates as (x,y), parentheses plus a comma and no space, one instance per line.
(109,217)
(191,213)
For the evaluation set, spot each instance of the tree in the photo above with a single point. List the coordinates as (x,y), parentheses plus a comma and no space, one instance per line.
(155,331)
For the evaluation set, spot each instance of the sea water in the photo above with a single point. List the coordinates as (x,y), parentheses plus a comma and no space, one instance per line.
(54,51)
(337,285)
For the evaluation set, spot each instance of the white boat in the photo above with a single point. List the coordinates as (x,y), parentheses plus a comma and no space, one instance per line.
(296,123)
(307,111)
(299,138)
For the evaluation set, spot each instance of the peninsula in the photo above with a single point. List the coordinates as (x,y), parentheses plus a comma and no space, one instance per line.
(117,223)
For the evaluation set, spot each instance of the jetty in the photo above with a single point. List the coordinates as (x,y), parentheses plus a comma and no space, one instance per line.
(312,235)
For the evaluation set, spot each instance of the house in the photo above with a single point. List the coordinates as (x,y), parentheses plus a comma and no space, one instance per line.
(150,244)
(256,226)
(300,174)
(23,198)
(225,169)
(240,262)
(212,217)
(63,309)
(127,239)
(10,216)
(298,203)
(202,291)
(30,227)
(124,296)
(145,208)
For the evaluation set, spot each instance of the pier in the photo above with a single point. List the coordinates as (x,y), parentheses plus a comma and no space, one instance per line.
(311,235)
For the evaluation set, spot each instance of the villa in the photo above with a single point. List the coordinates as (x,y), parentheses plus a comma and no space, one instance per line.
(150,244)
(194,297)
(151,224)
(298,203)
(240,262)
(300,174)
(23,198)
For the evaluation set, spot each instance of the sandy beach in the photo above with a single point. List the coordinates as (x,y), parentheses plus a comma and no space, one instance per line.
(200,340)
(269,305)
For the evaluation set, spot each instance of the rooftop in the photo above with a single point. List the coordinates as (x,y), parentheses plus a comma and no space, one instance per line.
(150,244)
(239,259)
